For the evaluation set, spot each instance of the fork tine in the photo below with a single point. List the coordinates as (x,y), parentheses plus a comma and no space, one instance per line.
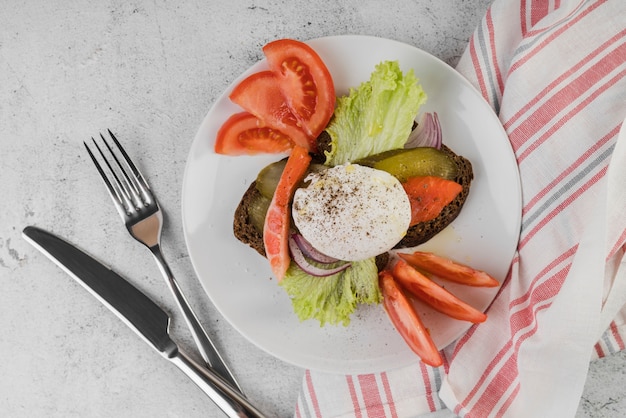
(118,182)
(114,192)
(141,183)
(128,183)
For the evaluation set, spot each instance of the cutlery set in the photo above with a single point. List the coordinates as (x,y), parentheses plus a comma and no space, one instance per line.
(143,219)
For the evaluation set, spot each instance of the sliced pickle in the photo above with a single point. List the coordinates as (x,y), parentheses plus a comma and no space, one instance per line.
(406,163)
(268,177)
(266,183)
(257,211)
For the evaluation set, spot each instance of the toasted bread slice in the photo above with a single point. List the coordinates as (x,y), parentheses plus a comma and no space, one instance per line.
(246,232)
(243,228)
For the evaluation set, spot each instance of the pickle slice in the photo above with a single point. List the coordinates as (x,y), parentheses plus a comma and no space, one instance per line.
(406,163)
(267,179)
(257,210)
(266,183)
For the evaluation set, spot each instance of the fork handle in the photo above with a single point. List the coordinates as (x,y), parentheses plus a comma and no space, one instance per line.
(206,347)
(231,402)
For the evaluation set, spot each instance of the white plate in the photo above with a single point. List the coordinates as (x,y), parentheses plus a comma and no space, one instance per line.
(238,280)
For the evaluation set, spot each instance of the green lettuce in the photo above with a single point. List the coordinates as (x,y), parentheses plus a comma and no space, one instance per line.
(332,299)
(375,117)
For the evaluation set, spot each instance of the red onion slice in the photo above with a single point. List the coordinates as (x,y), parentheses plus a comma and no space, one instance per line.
(310,252)
(303,263)
(427,133)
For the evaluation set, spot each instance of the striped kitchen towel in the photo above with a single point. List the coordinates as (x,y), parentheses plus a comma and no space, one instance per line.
(555,73)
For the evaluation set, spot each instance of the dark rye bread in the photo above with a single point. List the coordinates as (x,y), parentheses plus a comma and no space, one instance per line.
(242,226)
(245,231)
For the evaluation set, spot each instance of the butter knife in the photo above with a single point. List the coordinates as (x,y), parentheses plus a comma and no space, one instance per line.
(141,314)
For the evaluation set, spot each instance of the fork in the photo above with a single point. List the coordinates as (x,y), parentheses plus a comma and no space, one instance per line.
(143,218)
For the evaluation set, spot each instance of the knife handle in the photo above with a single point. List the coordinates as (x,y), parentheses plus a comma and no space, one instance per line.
(233,403)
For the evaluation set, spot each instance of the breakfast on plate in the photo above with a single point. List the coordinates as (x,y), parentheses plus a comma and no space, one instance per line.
(365,180)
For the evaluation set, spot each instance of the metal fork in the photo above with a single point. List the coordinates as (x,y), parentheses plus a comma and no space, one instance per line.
(142,215)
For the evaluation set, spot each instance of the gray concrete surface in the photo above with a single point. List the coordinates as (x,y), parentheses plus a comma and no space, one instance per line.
(150,70)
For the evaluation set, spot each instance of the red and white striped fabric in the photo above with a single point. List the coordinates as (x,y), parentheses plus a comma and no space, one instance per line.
(555,72)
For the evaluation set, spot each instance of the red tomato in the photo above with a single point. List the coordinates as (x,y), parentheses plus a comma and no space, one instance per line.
(449,270)
(296,97)
(429,195)
(242,134)
(260,95)
(278,218)
(406,320)
(305,82)
(436,296)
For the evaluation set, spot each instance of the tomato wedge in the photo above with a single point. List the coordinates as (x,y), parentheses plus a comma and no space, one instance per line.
(449,270)
(406,320)
(278,218)
(242,134)
(434,295)
(429,195)
(305,82)
(294,99)
(260,95)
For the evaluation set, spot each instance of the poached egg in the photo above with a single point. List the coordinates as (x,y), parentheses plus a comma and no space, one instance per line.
(352,212)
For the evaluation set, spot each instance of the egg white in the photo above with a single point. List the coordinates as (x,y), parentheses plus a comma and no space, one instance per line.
(352,212)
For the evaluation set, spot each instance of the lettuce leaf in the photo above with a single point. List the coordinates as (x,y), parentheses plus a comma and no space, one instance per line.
(332,299)
(375,117)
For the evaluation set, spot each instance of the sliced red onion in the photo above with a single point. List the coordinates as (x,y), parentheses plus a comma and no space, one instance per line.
(303,263)
(427,133)
(310,252)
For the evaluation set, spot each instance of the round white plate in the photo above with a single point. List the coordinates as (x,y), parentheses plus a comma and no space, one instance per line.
(239,281)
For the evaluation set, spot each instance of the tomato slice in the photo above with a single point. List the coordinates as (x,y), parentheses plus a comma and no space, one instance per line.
(449,270)
(305,82)
(429,195)
(278,218)
(242,134)
(294,99)
(260,95)
(434,295)
(406,320)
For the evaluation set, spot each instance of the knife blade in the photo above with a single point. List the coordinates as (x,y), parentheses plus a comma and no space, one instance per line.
(140,313)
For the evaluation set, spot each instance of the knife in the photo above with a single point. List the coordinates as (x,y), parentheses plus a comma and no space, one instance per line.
(141,314)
